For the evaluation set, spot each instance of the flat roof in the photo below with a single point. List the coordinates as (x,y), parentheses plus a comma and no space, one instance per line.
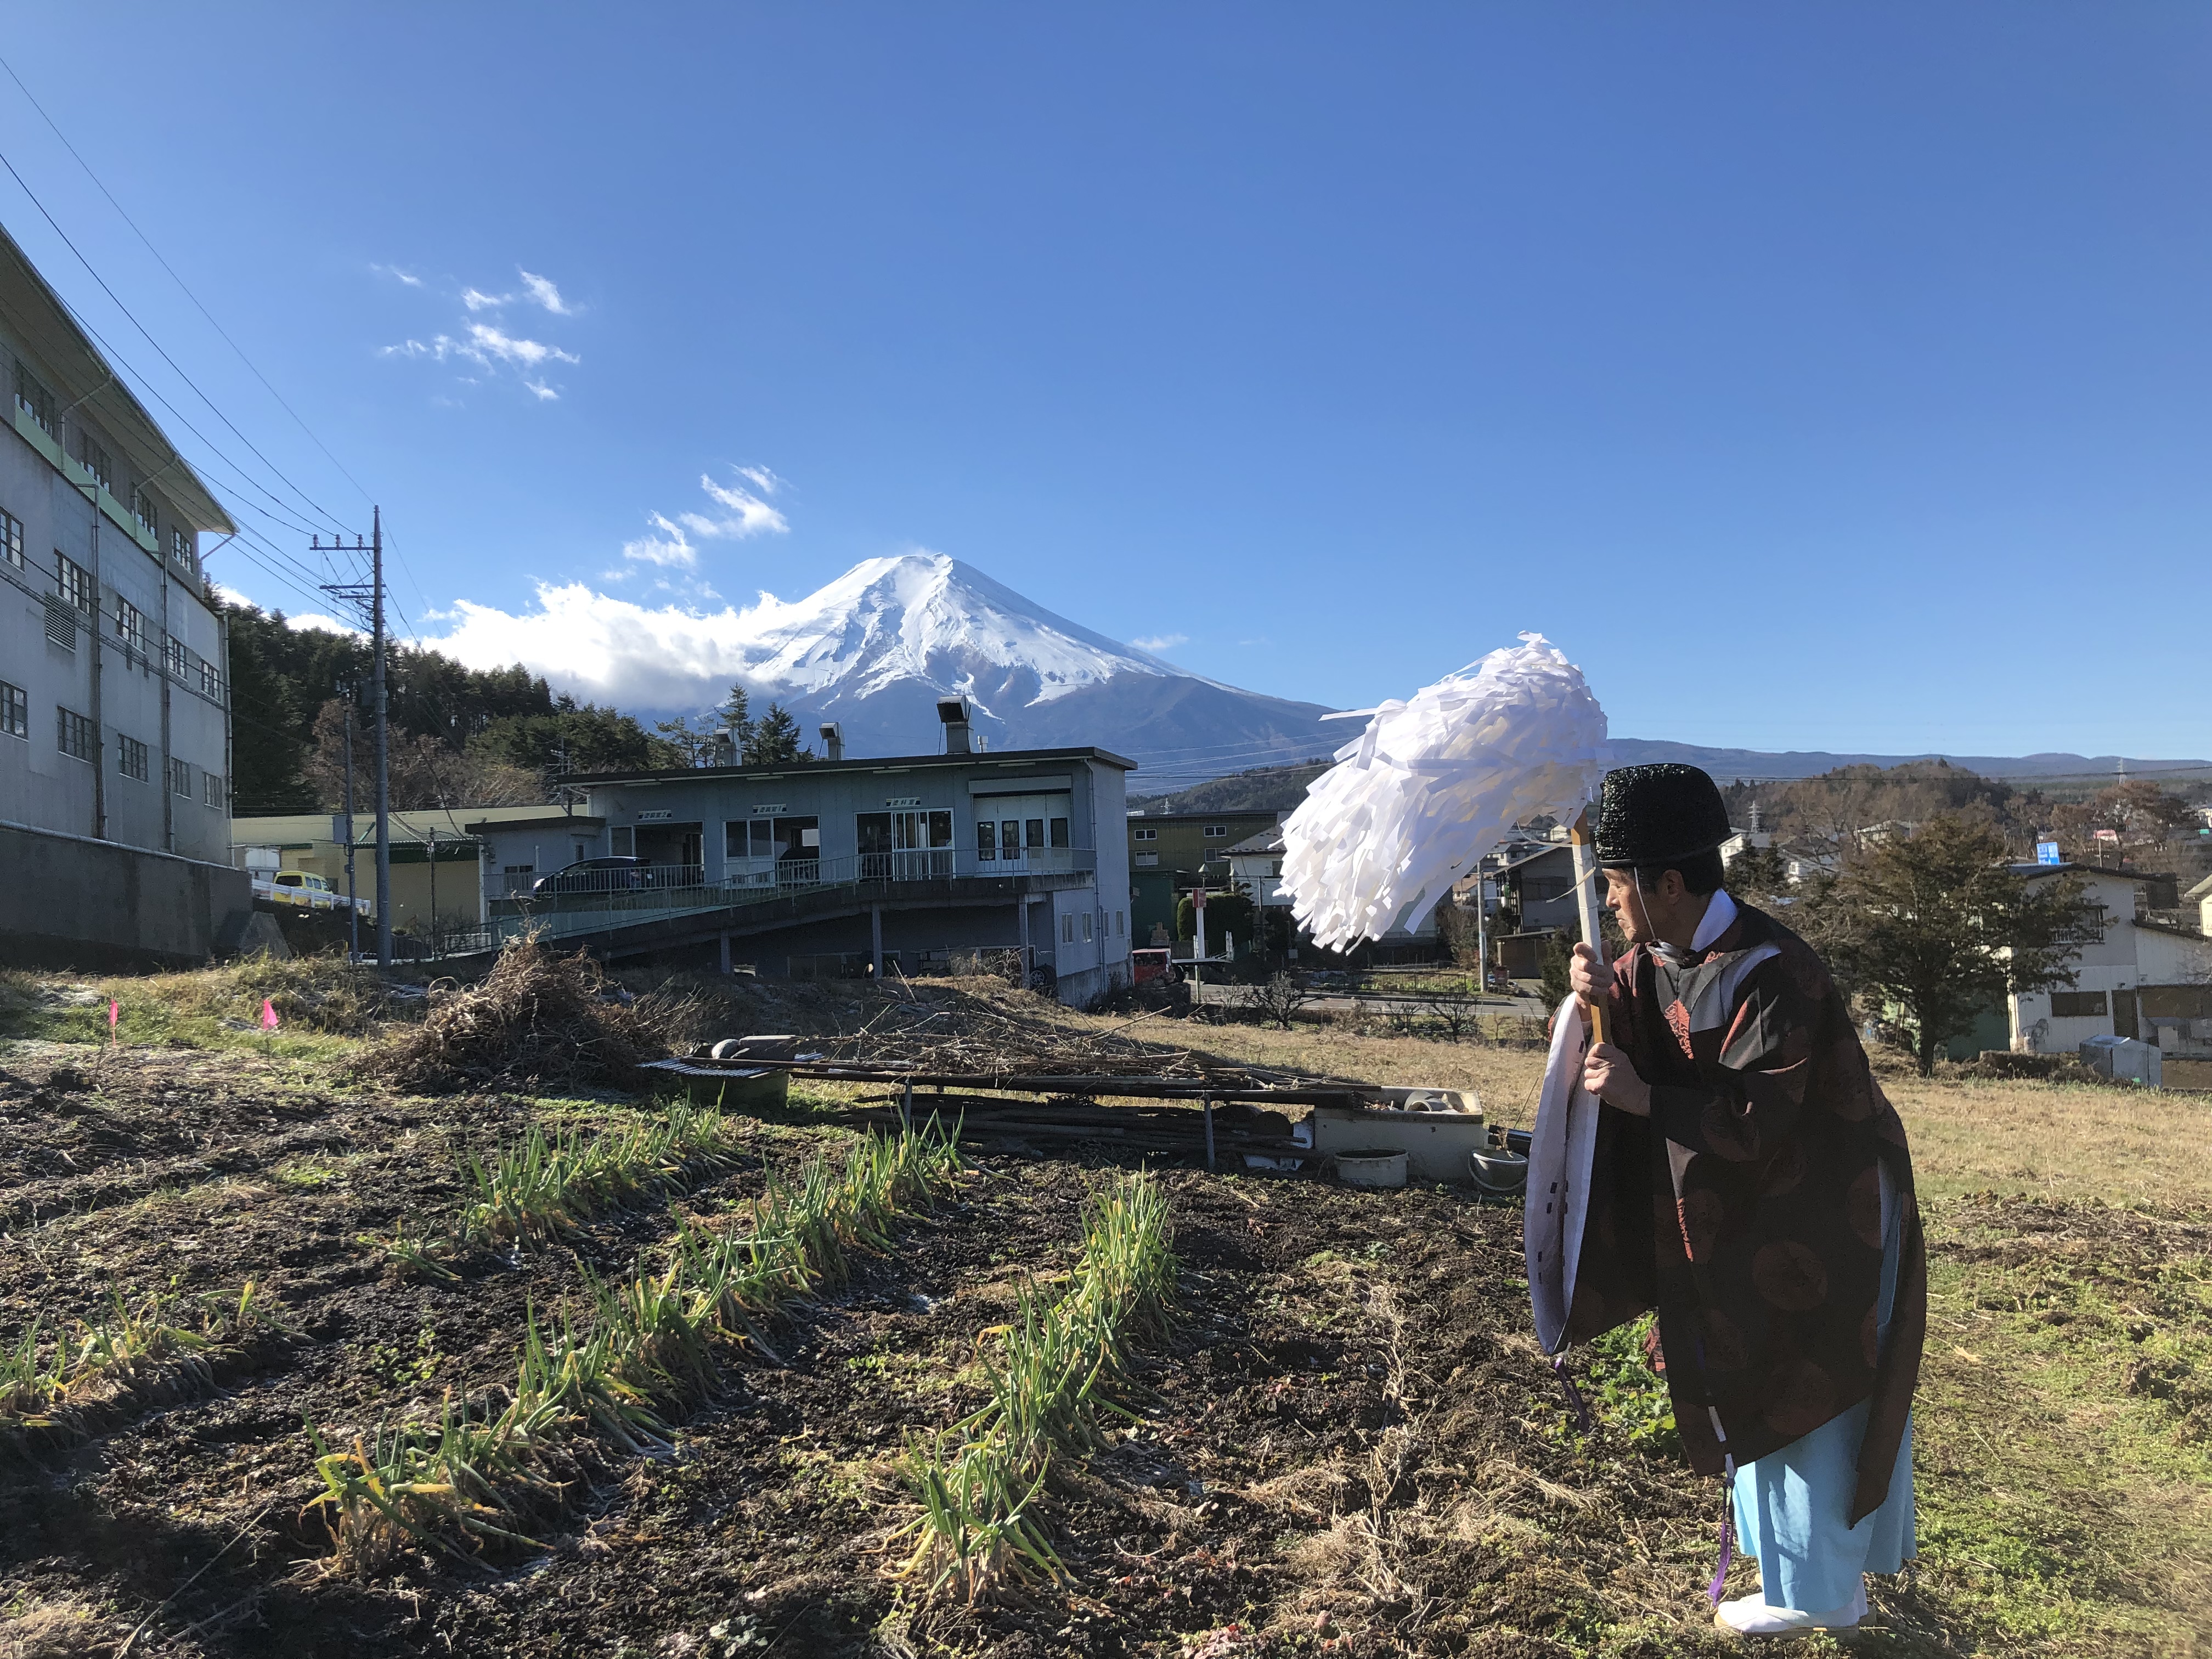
(1008,758)
(548,821)
(1216,817)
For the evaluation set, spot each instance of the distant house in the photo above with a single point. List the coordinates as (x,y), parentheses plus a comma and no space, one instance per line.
(2200,896)
(1256,865)
(2144,979)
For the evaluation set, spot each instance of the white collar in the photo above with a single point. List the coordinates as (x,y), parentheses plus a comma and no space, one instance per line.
(1719,915)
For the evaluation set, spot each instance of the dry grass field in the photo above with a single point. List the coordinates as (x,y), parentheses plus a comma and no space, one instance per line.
(1346,1445)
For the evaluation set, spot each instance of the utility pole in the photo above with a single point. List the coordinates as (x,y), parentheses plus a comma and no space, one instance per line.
(350,692)
(369,595)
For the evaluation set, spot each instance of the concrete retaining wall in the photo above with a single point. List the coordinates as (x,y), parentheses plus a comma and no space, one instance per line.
(69,900)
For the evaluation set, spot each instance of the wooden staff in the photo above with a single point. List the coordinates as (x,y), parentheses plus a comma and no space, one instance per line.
(1586,896)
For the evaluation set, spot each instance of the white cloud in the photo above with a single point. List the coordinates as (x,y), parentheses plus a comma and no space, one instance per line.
(487,341)
(394,271)
(610,649)
(762,478)
(322,624)
(540,291)
(1160,641)
(670,546)
(230,595)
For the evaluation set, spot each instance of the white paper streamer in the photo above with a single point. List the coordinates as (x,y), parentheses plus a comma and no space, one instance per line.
(1434,783)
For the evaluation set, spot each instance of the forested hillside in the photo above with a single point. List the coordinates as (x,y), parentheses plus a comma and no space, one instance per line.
(459,736)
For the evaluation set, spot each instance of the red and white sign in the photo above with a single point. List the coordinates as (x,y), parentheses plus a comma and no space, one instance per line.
(2112,836)
(1198,898)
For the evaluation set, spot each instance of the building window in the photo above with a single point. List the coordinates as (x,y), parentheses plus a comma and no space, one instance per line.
(1148,861)
(11,538)
(142,509)
(2077,1005)
(1033,832)
(131,625)
(94,459)
(1059,832)
(1117,924)
(130,757)
(1147,834)
(1068,928)
(1275,868)
(75,583)
(78,735)
(177,658)
(180,776)
(1086,926)
(34,400)
(181,548)
(987,841)
(1217,832)
(210,681)
(15,711)
(210,790)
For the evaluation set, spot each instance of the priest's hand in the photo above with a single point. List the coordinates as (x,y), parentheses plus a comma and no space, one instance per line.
(1591,979)
(1607,1074)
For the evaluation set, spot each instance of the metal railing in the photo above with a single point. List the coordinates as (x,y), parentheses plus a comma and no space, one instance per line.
(662,890)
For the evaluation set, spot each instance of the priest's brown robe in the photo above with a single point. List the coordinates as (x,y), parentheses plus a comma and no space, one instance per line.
(1747,1208)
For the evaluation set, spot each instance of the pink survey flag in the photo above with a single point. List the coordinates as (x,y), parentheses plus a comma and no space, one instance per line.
(114,1013)
(268,1015)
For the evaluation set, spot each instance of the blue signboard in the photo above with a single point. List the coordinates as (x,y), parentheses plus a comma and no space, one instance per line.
(2046,852)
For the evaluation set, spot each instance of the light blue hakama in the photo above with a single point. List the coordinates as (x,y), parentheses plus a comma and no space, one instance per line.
(1791,1504)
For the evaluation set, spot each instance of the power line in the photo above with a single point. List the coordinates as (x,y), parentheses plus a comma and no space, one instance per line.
(328,517)
(180,281)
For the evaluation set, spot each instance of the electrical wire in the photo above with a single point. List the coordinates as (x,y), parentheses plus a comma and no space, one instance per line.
(180,281)
(315,505)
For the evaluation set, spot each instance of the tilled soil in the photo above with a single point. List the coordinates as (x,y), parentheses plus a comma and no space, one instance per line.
(1350,1446)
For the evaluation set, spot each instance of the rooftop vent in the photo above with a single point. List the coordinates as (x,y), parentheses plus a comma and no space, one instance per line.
(833,741)
(953,711)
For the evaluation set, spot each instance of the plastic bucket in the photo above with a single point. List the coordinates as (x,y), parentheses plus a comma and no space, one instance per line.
(1498,1173)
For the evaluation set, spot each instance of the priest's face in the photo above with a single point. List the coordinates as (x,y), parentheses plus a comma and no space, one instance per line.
(1666,910)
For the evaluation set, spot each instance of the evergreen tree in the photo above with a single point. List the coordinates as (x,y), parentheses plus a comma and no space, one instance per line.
(774,739)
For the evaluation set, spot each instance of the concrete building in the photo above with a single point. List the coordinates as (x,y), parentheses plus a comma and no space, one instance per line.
(114,687)
(1193,845)
(836,867)
(2144,979)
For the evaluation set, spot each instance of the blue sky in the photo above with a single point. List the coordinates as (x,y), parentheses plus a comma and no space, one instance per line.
(1818,377)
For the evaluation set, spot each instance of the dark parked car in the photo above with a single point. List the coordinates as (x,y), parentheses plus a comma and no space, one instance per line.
(610,875)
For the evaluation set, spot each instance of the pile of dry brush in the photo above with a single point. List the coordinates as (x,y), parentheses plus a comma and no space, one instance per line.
(539,1019)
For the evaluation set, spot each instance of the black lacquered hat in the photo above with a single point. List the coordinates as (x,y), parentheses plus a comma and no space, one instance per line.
(1654,817)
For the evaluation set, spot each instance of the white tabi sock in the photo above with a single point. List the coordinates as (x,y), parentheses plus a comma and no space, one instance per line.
(1749,1616)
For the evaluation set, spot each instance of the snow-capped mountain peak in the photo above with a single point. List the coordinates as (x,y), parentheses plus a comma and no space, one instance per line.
(927,617)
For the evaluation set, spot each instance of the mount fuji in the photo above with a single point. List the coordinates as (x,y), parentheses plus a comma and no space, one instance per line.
(875,649)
